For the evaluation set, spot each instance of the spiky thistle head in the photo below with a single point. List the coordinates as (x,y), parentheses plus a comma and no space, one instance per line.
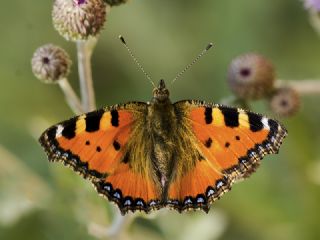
(285,101)
(50,63)
(251,76)
(78,19)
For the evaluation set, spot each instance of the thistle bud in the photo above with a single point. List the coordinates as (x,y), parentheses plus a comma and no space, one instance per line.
(115,2)
(50,63)
(285,101)
(78,19)
(251,76)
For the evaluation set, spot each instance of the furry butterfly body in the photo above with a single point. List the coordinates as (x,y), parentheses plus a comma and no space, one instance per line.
(145,156)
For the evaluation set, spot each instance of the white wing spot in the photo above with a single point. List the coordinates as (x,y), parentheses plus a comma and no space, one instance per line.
(200,200)
(116,195)
(265,123)
(59,131)
(140,203)
(210,193)
(219,184)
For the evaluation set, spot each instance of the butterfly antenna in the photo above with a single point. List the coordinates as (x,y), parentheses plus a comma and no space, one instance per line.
(136,60)
(193,62)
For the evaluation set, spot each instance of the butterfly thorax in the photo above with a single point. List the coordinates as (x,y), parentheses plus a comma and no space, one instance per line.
(161,112)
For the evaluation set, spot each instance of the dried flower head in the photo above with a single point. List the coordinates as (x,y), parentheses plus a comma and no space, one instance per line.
(251,76)
(115,2)
(312,5)
(50,63)
(285,101)
(78,19)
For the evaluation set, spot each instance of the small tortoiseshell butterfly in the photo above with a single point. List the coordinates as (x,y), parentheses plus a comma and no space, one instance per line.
(145,156)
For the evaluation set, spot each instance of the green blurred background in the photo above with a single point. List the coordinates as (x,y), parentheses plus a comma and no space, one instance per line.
(39,200)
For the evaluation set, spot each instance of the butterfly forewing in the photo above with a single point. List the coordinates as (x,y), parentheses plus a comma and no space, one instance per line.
(96,146)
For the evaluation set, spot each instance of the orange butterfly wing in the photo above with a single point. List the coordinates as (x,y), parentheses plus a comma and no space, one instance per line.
(232,142)
(95,145)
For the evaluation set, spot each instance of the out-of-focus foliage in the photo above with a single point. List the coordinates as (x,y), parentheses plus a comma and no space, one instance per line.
(39,200)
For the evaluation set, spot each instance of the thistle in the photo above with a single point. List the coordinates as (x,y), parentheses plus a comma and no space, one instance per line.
(78,19)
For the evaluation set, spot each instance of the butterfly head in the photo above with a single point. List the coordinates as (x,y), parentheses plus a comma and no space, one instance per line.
(161,93)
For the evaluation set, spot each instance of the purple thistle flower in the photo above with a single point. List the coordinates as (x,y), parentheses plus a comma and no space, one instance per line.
(81,2)
(312,4)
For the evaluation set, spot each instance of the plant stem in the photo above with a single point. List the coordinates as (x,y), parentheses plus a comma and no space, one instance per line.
(84,50)
(114,231)
(71,97)
(306,87)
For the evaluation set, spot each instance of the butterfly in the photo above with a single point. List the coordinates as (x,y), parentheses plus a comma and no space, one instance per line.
(146,156)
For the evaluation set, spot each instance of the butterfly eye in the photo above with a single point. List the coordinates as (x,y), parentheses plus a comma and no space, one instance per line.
(155,91)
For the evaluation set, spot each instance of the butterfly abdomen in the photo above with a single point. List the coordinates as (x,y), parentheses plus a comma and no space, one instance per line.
(161,126)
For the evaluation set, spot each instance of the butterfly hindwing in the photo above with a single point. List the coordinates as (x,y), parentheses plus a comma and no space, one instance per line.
(96,146)
(232,143)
